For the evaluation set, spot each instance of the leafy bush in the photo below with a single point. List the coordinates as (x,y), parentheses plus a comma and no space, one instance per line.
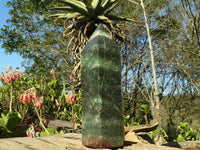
(28,98)
(159,131)
(187,133)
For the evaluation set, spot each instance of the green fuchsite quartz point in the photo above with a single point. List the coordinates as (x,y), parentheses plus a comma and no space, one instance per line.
(102,112)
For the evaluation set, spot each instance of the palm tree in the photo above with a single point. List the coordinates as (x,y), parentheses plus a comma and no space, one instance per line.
(80,19)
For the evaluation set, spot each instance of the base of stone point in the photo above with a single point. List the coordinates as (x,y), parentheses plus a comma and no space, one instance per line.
(99,144)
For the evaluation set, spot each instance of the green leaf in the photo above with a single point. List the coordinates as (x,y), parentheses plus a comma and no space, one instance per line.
(112,17)
(76,5)
(76,107)
(95,4)
(10,121)
(64,15)
(14,119)
(57,15)
(91,11)
(113,5)
(180,138)
(2,124)
(53,84)
(87,2)
(82,19)
(66,8)
(107,4)
(144,108)
(103,18)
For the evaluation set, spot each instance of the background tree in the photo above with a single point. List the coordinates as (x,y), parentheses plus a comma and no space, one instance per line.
(167,25)
(29,33)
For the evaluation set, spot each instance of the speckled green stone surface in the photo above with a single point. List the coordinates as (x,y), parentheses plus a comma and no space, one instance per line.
(102,124)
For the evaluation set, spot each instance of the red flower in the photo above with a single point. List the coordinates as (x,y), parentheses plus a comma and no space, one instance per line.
(71,99)
(30,134)
(70,78)
(29,97)
(20,73)
(25,99)
(21,98)
(7,79)
(38,104)
(45,122)
(11,75)
(52,71)
(14,77)
(36,95)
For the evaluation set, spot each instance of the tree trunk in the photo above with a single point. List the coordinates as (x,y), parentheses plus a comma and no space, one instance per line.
(156,103)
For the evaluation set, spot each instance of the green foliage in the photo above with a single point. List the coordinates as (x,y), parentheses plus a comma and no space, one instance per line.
(53,92)
(54,103)
(198,135)
(77,112)
(187,133)
(132,123)
(51,131)
(28,33)
(9,120)
(159,131)
(145,109)
(126,118)
(8,123)
(68,113)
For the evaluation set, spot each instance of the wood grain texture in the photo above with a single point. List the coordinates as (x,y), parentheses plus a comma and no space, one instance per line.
(69,141)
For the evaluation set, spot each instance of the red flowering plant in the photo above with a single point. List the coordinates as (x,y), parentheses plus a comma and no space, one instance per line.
(71,98)
(74,99)
(9,77)
(31,96)
(10,120)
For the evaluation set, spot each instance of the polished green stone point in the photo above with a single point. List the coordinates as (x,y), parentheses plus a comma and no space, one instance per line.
(102,112)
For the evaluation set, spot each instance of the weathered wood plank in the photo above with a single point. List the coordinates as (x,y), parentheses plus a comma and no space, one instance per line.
(69,141)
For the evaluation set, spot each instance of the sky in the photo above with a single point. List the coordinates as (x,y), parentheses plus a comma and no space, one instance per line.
(13,60)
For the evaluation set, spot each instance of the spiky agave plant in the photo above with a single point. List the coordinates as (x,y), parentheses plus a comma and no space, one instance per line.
(80,18)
